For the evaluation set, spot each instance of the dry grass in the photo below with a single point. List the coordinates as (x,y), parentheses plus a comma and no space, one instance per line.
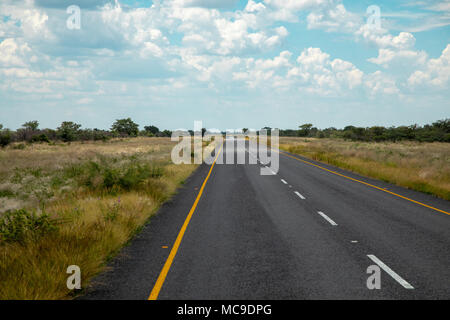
(423,167)
(69,183)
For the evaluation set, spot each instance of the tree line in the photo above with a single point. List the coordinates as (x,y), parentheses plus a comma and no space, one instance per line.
(438,131)
(70,131)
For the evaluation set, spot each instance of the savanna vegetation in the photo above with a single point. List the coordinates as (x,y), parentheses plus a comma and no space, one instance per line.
(70,131)
(438,131)
(421,166)
(67,204)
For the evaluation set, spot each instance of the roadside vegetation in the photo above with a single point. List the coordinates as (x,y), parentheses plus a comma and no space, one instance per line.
(438,131)
(67,204)
(70,131)
(420,166)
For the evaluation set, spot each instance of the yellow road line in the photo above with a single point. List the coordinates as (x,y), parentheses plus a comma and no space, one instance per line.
(165,270)
(367,184)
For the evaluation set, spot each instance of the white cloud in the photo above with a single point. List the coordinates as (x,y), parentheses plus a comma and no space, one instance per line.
(381,83)
(297,5)
(436,72)
(14,53)
(381,39)
(252,6)
(324,75)
(387,57)
(336,19)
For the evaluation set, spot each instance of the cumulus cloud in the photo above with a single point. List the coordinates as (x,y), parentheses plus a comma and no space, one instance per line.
(179,44)
(334,19)
(14,53)
(319,74)
(387,57)
(404,40)
(380,83)
(436,72)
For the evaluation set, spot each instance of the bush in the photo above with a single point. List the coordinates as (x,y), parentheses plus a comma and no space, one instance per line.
(101,176)
(16,226)
(40,138)
(5,138)
(6,193)
(19,146)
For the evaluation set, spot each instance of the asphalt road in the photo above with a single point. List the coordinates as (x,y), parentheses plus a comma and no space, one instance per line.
(303,233)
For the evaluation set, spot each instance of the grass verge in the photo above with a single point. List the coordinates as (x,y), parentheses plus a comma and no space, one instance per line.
(422,167)
(78,205)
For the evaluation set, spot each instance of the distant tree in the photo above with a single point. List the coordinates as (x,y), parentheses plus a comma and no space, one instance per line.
(5,137)
(68,131)
(40,138)
(244,130)
(167,133)
(305,130)
(203,132)
(31,125)
(151,129)
(125,127)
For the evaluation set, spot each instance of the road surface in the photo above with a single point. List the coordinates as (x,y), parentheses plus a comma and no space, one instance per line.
(303,233)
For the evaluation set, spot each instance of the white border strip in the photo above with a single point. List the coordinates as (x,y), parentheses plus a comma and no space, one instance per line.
(327,218)
(298,193)
(390,272)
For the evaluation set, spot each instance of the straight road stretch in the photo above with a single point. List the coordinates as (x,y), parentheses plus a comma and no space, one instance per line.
(308,231)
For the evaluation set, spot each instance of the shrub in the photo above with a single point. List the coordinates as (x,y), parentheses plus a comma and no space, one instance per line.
(102,176)
(6,193)
(5,138)
(16,226)
(19,146)
(40,138)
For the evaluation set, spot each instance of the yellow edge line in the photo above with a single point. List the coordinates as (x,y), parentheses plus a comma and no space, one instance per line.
(367,184)
(165,270)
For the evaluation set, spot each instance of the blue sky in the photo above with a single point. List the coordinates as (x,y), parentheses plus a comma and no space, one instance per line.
(229,63)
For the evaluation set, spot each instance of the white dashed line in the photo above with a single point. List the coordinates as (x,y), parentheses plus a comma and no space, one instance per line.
(327,218)
(300,196)
(284,181)
(390,272)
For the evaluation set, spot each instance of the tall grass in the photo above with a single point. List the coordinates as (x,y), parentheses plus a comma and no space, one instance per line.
(418,166)
(98,195)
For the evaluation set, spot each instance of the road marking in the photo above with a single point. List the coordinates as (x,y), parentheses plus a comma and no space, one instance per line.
(165,270)
(327,218)
(354,241)
(390,272)
(367,184)
(284,181)
(298,193)
(165,247)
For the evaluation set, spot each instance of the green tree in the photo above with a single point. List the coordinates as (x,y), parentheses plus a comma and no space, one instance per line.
(5,136)
(151,129)
(305,129)
(167,133)
(31,125)
(125,127)
(68,131)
